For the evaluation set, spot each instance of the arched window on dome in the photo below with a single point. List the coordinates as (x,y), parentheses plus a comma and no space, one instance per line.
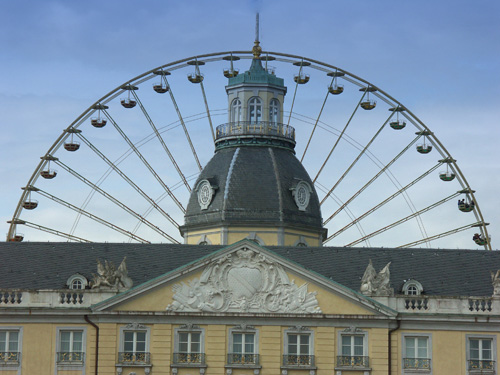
(274,111)
(236,112)
(255,110)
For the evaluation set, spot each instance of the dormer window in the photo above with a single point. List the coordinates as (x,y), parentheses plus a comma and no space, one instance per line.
(274,111)
(412,288)
(77,281)
(255,110)
(236,112)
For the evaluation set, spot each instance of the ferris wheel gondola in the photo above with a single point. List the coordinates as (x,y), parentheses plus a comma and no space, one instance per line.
(163,186)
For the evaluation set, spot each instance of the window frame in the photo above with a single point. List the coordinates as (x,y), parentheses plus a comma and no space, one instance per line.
(414,335)
(298,331)
(71,363)
(134,360)
(236,109)
(255,104)
(9,365)
(190,329)
(352,331)
(274,111)
(77,277)
(244,330)
(415,285)
(481,337)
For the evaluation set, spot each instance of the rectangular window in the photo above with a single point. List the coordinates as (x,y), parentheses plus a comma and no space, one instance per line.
(417,353)
(189,347)
(481,354)
(243,349)
(9,347)
(352,349)
(298,350)
(298,344)
(70,346)
(134,347)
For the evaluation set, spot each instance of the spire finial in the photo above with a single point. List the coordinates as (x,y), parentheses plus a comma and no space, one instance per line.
(257,27)
(256,50)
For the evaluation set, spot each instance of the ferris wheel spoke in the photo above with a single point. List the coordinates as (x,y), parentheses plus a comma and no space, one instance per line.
(382,170)
(295,92)
(441,235)
(338,140)
(349,213)
(199,79)
(148,166)
(405,219)
(89,215)
(358,157)
(384,202)
(115,201)
(316,123)
(181,119)
(128,180)
(162,142)
(52,231)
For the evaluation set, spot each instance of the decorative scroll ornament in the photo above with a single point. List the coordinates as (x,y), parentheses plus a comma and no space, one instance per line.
(495,280)
(302,195)
(376,285)
(244,281)
(206,193)
(110,277)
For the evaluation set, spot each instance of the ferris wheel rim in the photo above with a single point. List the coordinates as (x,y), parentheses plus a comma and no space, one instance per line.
(217,56)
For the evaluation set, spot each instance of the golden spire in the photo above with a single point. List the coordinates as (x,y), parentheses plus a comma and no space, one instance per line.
(256,50)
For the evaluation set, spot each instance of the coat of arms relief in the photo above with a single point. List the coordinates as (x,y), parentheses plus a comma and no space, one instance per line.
(244,281)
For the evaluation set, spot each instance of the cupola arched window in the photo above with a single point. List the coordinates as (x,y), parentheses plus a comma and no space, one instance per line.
(254,110)
(274,111)
(236,112)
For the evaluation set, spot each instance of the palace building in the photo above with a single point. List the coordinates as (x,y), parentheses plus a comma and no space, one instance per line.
(252,290)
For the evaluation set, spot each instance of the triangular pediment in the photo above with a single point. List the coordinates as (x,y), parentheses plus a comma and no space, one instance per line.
(244,278)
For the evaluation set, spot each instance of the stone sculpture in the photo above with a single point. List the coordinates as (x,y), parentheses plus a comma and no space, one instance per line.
(376,285)
(244,281)
(110,277)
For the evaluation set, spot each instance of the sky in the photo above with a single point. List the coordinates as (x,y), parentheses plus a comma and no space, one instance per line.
(440,59)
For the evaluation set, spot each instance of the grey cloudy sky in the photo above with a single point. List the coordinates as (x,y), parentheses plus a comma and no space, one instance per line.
(439,58)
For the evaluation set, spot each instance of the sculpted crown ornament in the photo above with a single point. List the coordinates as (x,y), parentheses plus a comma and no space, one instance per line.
(244,281)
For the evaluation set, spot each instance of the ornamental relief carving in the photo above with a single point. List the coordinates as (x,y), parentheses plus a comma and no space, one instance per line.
(244,281)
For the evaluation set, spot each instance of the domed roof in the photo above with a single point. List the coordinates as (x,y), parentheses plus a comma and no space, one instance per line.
(253,185)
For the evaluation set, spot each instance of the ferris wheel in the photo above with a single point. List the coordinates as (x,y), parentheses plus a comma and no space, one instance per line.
(123,170)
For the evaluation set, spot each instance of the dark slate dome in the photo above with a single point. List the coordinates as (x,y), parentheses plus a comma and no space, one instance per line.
(253,186)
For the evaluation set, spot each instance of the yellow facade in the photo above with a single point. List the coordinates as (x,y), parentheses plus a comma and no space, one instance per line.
(265,236)
(344,314)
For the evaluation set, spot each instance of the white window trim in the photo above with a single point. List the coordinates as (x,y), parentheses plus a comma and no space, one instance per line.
(253,236)
(429,353)
(244,330)
(258,105)
(493,339)
(352,331)
(410,283)
(189,328)
(71,365)
(11,366)
(236,116)
(74,277)
(134,327)
(299,331)
(274,104)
